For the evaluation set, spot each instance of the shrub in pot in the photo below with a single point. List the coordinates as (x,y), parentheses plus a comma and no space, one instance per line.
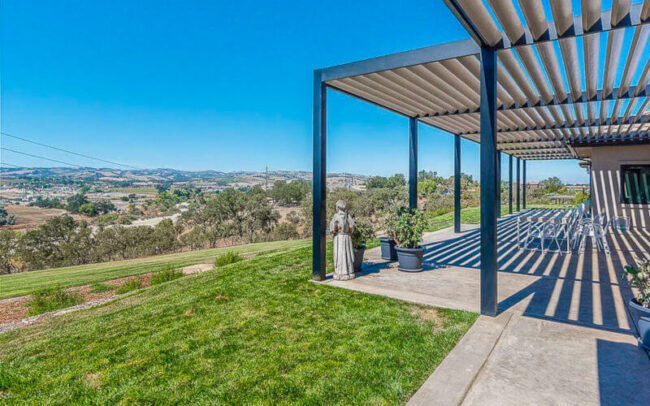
(639,306)
(361,233)
(405,226)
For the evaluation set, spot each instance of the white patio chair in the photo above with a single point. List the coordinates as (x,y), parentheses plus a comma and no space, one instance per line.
(620,223)
(552,231)
(585,228)
(600,227)
(534,230)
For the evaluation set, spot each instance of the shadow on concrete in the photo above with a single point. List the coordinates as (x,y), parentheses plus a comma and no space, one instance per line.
(579,288)
(623,374)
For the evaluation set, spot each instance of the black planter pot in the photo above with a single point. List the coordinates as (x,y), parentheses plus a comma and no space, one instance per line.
(641,319)
(410,259)
(358,258)
(387,248)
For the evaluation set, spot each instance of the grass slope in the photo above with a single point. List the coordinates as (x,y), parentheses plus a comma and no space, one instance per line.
(254,332)
(472,215)
(25,283)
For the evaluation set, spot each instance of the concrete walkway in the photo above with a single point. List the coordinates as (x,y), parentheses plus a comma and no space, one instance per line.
(562,336)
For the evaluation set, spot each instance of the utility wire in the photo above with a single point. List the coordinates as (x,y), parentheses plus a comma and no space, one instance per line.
(69,152)
(12,165)
(40,157)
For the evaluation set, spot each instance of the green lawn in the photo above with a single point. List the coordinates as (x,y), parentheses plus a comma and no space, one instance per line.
(254,332)
(25,283)
(472,215)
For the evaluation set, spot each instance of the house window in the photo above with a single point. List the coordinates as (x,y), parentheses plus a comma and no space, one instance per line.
(635,184)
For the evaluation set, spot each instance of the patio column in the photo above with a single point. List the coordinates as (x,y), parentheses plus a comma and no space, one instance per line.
(489,152)
(523,191)
(518,183)
(498,179)
(457,183)
(413,162)
(510,184)
(319,178)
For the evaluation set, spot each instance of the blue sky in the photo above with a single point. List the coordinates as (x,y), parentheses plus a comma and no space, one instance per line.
(215,85)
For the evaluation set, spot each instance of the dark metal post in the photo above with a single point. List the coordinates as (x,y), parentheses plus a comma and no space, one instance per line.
(591,193)
(510,184)
(488,174)
(413,162)
(457,190)
(518,183)
(498,179)
(523,191)
(319,178)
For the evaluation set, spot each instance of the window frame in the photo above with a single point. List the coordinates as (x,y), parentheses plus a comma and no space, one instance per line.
(640,170)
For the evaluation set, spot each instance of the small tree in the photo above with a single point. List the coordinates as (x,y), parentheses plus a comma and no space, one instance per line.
(5,218)
(75,202)
(581,196)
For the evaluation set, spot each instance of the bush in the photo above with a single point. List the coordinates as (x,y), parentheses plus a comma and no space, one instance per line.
(5,218)
(405,226)
(100,287)
(168,274)
(581,197)
(47,300)
(126,220)
(227,258)
(133,284)
(285,231)
(438,205)
(640,279)
(361,233)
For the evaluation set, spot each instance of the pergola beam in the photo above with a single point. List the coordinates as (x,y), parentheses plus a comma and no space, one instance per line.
(435,53)
(603,25)
(616,94)
(632,120)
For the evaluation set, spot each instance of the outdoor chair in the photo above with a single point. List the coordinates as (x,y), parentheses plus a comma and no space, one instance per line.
(600,228)
(620,223)
(584,228)
(553,232)
(532,230)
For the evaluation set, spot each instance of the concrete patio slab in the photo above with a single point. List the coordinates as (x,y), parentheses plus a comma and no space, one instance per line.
(562,336)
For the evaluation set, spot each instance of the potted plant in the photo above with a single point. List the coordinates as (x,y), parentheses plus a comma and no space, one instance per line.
(361,233)
(639,306)
(406,226)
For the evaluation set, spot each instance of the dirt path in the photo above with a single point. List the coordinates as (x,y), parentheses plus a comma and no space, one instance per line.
(14,311)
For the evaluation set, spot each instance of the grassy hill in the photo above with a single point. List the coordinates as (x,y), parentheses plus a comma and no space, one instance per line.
(26,282)
(254,332)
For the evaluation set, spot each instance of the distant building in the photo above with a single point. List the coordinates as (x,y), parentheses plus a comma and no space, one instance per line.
(577,188)
(533,185)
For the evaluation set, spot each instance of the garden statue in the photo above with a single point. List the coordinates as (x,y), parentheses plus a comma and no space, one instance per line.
(341,228)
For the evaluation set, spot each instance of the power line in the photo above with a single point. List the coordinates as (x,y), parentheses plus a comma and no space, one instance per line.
(12,165)
(69,152)
(40,157)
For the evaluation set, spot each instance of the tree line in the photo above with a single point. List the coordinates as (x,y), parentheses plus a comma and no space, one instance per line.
(232,216)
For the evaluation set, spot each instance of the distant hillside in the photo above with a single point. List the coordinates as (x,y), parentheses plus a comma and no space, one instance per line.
(162,175)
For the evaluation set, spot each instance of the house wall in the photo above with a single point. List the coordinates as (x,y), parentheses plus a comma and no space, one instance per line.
(606,183)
